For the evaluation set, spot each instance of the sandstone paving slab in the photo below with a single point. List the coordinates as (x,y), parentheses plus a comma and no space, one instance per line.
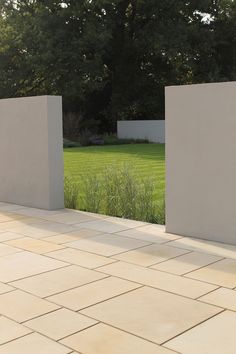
(34,245)
(56,281)
(150,233)
(222,297)
(90,294)
(222,273)
(60,323)
(149,255)
(81,258)
(60,239)
(72,236)
(102,339)
(24,264)
(21,306)
(6,250)
(70,218)
(126,222)
(6,216)
(215,336)
(82,233)
(8,235)
(216,248)
(151,314)
(43,229)
(160,280)
(186,263)
(108,225)
(39,213)
(9,207)
(107,244)
(10,330)
(4,288)
(11,225)
(33,344)
(114,293)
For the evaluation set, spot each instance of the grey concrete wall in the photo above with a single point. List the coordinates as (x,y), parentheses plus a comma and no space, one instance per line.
(201,161)
(152,130)
(31,145)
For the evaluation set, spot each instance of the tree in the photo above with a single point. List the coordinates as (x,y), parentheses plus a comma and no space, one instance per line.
(110,59)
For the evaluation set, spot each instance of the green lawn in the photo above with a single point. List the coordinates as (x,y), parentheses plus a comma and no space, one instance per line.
(147,159)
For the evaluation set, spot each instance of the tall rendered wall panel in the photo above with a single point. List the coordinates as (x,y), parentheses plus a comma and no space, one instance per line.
(201,161)
(31,146)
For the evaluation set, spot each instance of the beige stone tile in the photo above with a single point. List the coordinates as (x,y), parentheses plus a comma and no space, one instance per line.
(70,218)
(4,288)
(203,246)
(186,263)
(60,323)
(9,207)
(56,281)
(149,255)
(7,236)
(92,293)
(126,222)
(215,336)
(160,280)
(108,225)
(21,306)
(222,297)
(10,330)
(33,344)
(102,339)
(72,236)
(24,264)
(60,239)
(107,244)
(221,273)
(11,225)
(4,217)
(39,213)
(43,229)
(151,314)
(34,245)
(82,233)
(6,250)
(150,233)
(81,258)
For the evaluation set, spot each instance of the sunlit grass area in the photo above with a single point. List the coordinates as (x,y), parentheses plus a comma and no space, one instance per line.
(148,160)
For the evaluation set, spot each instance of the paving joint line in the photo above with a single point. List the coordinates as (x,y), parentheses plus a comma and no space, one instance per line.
(192,327)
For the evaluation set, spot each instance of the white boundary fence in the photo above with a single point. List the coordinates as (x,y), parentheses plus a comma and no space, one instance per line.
(152,130)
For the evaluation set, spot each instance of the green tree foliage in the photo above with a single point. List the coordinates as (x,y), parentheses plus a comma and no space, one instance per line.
(110,59)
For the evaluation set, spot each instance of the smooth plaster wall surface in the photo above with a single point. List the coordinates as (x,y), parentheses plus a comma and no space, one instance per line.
(201,161)
(31,145)
(152,130)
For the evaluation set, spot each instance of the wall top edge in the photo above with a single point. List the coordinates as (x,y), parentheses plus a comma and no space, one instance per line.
(223,83)
(141,120)
(29,97)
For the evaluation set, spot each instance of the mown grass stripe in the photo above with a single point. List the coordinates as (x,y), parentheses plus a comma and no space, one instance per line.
(148,160)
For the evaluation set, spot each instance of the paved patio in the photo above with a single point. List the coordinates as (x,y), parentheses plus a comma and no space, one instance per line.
(74,282)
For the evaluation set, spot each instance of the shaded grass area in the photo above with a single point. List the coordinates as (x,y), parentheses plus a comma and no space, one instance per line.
(94,173)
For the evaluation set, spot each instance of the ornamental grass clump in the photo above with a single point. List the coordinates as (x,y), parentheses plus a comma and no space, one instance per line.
(117,191)
(71,193)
